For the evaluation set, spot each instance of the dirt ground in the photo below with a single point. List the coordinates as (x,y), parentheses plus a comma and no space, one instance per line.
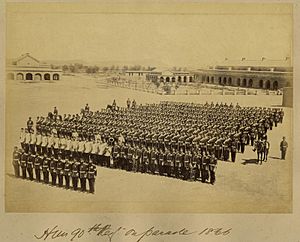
(241,187)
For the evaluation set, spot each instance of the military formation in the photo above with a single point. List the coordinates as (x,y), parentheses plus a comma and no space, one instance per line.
(180,140)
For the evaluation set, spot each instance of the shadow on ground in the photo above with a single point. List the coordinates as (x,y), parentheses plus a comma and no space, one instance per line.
(274,157)
(249,161)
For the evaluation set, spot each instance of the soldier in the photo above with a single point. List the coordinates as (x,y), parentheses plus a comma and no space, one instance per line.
(116,155)
(266,147)
(145,160)
(16,161)
(24,158)
(212,168)
(153,160)
(46,162)
(186,165)
(22,138)
(62,146)
(130,158)
(226,149)
(123,157)
(94,152)
(169,163)
(204,168)
(38,142)
(27,141)
(50,144)
(161,162)
(198,165)
(30,161)
(128,102)
(283,147)
(75,174)
(243,142)
(60,170)
(29,125)
(38,167)
(83,169)
(92,173)
(56,145)
(53,171)
(258,147)
(44,144)
(233,150)
(67,172)
(178,160)
(87,150)
(32,142)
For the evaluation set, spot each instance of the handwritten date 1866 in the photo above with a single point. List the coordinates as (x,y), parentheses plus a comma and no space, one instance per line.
(110,232)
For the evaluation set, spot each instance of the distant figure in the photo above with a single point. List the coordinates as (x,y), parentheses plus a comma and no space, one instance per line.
(283,148)
(55,111)
(133,104)
(128,102)
(87,108)
(30,124)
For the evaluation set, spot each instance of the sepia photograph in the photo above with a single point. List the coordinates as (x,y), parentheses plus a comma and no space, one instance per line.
(149,108)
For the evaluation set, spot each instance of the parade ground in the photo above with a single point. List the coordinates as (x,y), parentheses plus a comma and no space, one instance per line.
(241,187)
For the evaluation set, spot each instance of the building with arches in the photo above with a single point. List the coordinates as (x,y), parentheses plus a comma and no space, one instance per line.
(179,77)
(262,74)
(28,68)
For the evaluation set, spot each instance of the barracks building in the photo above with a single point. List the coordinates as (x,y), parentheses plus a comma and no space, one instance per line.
(28,68)
(263,74)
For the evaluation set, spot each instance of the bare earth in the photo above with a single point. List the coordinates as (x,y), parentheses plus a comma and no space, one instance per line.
(241,187)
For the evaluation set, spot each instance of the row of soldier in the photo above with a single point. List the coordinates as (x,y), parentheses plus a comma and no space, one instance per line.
(219,130)
(39,166)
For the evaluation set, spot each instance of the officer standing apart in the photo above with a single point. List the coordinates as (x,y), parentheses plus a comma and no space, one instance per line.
(283,148)
(16,161)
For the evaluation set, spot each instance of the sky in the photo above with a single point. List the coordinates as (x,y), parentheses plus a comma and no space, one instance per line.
(192,39)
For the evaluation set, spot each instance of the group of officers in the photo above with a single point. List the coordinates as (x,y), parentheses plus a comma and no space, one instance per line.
(51,166)
(181,140)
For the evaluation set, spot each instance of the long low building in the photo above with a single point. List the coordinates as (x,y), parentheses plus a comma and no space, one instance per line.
(28,68)
(263,74)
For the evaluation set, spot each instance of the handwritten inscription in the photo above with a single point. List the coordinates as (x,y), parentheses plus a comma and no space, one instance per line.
(111,232)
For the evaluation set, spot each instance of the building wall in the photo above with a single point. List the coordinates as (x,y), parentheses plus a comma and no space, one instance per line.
(266,80)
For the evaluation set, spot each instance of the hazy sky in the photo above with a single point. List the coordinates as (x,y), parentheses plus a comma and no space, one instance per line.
(162,39)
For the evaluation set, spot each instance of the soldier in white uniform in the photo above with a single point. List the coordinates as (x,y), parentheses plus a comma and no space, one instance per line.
(27,140)
(22,138)
(38,142)
(32,142)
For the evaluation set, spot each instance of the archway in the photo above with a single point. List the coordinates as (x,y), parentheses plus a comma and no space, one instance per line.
(207,79)
(229,81)
(38,77)
(47,76)
(244,84)
(224,80)
(238,82)
(268,84)
(275,85)
(184,79)
(212,79)
(173,79)
(10,76)
(261,83)
(220,80)
(167,79)
(28,76)
(179,79)
(250,83)
(162,79)
(191,79)
(20,76)
(55,76)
